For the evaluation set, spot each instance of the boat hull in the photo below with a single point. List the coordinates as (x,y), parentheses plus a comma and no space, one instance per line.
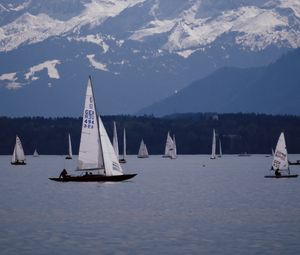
(68,157)
(18,163)
(122,161)
(94,178)
(282,176)
(294,163)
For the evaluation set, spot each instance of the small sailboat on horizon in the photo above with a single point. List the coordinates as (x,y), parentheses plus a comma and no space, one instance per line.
(220,149)
(170,147)
(213,147)
(70,155)
(97,159)
(280,163)
(115,140)
(143,151)
(35,153)
(18,157)
(123,160)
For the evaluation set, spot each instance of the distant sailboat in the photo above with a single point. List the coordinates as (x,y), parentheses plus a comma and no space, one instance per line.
(70,155)
(170,148)
(174,152)
(220,149)
(115,141)
(97,158)
(35,153)
(213,149)
(143,151)
(18,157)
(280,163)
(123,160)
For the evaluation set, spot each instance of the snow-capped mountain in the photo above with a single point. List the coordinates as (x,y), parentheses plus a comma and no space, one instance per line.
(138,51)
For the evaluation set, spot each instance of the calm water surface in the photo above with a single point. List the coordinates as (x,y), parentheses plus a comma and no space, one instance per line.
(191,205)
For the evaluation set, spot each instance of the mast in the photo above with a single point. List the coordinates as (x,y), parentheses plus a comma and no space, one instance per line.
(97,120)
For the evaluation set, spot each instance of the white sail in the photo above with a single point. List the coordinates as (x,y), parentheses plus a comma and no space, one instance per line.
(35,153)
(96,151)
(143,151)
(280,159)
(169,146)
(213,150)
(90,152)
(220,148)
(111,162)
(70,147)
(115,140)
(174,151)
(18,154)
(124,144)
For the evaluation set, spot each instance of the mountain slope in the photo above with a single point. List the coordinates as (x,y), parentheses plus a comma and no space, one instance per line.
(138,51)
(274,89)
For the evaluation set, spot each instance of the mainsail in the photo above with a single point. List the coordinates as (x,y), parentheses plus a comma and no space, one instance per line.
(143,151)
(124,144)
(90,152)
(220,148)
(280,159)
(35,153)
(18,154)
(213,150)
(174,151)
(96,151)
(115,140)
(70,155)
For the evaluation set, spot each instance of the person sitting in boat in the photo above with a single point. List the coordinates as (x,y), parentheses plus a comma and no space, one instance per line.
(277,173)
(63,173)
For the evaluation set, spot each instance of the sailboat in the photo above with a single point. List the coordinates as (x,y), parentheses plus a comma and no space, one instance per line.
(143,151)
(174,151)
(70,155)
(123,160)
(18,157)
(170,148)
(280,163)
(97,159)
(115,141)
(220,149)
(35,153)
(213,149)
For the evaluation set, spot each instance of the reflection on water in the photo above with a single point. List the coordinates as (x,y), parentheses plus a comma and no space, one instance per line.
(191,205)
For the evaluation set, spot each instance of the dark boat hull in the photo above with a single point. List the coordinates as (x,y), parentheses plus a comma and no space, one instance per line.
(122,161)
(294,163)
(282,176)
(68,157)
(18,163)
(94,178)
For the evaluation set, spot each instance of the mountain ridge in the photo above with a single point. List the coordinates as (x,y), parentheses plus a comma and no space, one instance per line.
(139,51)
(273,89)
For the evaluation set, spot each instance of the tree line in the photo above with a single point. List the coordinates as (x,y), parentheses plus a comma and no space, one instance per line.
(251,133)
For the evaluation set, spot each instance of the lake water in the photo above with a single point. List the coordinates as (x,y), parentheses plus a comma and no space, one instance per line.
(191,205)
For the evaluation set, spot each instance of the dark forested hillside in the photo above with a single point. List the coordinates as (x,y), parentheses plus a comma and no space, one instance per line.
(250,133)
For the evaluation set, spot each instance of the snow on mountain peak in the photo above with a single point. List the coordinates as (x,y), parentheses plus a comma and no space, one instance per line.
(191,25)
(256,27)
(31,29)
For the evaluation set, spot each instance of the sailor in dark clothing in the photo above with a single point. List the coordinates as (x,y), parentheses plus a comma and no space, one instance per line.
(63,173)
(277,173)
